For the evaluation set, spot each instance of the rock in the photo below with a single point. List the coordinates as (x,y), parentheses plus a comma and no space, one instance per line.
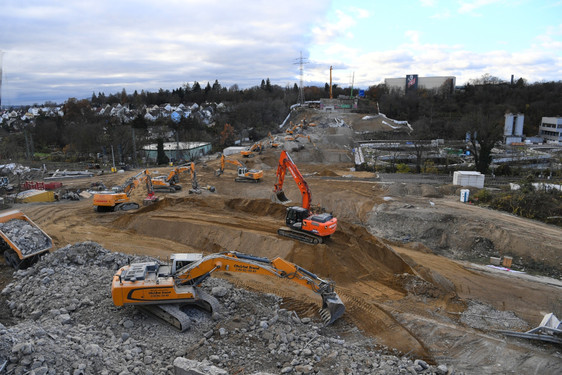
(184,366)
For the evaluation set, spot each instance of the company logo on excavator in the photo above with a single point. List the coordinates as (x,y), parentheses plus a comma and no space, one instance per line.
(246,267)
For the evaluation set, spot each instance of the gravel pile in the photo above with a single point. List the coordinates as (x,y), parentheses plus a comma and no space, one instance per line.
(67,324)
(28,238)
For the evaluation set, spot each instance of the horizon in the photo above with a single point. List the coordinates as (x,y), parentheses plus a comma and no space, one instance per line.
(53,52)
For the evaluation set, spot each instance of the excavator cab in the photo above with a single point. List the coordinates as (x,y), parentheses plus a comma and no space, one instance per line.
(295,216)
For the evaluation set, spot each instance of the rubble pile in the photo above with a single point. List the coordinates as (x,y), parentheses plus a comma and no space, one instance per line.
(28,238)
(67,324)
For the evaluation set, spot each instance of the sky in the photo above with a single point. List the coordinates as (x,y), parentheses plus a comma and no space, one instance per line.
(60,49)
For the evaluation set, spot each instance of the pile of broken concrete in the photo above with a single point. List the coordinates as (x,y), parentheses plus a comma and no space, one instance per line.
(67,324)
(28,238)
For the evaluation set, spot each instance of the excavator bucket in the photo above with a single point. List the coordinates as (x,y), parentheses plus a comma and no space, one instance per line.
(280,197)
(332,308)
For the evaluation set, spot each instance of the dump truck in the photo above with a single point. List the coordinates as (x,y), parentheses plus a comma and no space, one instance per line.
(21,240)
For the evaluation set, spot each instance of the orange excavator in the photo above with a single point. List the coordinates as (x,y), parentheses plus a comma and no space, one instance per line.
(164,290)
(243,173)
(118,198)
(272,142)
(251,151)
(302,223)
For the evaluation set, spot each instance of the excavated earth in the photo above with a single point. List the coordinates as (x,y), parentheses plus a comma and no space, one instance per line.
(411,305)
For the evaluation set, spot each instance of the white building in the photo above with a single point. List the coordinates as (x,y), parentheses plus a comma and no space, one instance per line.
(513,128)
(551,129)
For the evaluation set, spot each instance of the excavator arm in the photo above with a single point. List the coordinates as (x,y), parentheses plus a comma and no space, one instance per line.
(285,162)
(195,273)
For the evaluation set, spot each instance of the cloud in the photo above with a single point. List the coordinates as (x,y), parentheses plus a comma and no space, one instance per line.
(472,6)
(74,48)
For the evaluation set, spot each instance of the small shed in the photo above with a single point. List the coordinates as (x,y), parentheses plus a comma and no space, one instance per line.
(468,178)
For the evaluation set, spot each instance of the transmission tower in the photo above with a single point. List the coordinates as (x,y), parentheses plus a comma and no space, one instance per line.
(301,61)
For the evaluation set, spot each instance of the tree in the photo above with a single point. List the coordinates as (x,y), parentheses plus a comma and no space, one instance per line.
(161,157)
(227,135)
(484,129)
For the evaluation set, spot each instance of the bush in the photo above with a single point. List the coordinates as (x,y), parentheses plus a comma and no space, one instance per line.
(402,168)
(483,196)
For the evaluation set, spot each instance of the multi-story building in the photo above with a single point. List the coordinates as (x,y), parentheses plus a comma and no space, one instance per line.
(551,129)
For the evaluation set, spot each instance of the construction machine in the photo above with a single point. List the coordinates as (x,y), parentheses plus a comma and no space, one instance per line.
(21,240)
(167,183)
(166,290)
(118,198)
(302,223)
(272,141)
(243,173)
(251,151)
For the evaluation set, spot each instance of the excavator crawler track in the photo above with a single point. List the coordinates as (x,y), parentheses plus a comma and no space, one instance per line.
(238,179)
(174,315)
(301,236)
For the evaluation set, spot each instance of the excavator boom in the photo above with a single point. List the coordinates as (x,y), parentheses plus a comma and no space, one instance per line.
(151,283)
(285,162)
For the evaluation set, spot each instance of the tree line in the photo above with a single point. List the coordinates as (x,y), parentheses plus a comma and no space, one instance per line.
(478,108)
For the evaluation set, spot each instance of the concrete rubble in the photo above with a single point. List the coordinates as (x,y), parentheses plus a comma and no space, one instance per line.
(28,238)
(67,324)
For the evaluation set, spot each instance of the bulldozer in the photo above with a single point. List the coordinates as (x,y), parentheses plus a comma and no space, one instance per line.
(243,173)
(301,223)
(166,290)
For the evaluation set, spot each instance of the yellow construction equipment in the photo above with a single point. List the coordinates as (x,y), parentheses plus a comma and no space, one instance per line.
(21,240)
(164,290)
(118,198)
(243,173)
(272,142)
(251,151)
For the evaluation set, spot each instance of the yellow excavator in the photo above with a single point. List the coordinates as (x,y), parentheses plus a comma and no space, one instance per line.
(243,173)
(251,151)
(166,290)
(272,141)
(118,198)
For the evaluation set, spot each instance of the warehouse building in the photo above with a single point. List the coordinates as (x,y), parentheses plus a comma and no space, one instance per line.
(178,150)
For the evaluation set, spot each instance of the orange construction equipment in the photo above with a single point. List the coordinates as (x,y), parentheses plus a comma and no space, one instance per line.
(118,198)
(302,224)
(243,173)
(18,250)
(272,142)
(163,290)
(251,151)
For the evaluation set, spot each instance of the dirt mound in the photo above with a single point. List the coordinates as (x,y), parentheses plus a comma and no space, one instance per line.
(259,207)
(327,173)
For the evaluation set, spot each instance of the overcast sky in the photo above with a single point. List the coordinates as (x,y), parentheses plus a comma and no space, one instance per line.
(54,50)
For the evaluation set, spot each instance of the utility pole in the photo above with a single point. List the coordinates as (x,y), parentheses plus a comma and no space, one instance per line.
(331,82)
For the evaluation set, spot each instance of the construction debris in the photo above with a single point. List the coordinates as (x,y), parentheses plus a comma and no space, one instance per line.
(549,330)
(26,237)
(67,324)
